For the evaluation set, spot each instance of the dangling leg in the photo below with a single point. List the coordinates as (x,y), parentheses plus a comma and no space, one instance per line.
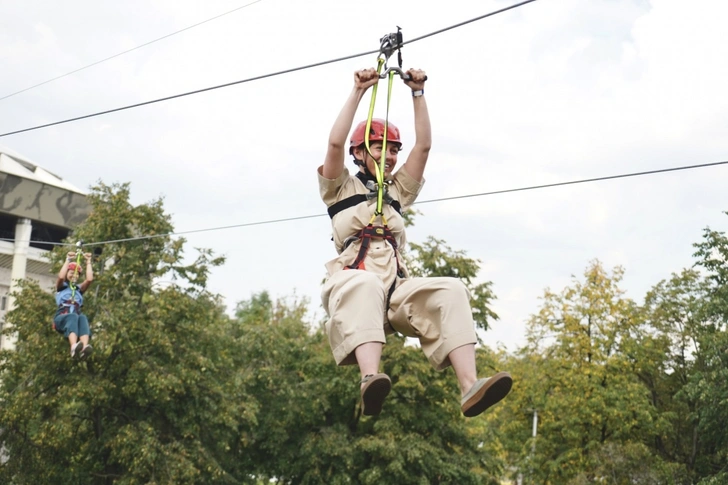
(477,395)
(368,356)
(68,324)
(374,386)
(76,346)
(85,333)
(437,311)
(354,301)
(463,363)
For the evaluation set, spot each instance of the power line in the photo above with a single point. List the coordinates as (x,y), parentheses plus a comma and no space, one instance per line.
(441,199)
(129,50)
(256,78)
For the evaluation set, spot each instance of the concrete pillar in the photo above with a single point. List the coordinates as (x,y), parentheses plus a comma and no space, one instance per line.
(23,229)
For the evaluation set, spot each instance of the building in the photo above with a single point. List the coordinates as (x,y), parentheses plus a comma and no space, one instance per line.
(37,209)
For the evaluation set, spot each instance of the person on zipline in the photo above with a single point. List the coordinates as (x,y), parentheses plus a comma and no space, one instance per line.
(68,319)
(368,292)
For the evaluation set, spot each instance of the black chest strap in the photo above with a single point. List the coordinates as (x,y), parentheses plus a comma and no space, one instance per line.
(369,182)
(356,200)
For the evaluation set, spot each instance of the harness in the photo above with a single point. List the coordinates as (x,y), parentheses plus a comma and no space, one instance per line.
(71,306)
(378,187)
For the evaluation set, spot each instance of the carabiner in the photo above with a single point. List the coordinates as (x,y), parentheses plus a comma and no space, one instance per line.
(396,70)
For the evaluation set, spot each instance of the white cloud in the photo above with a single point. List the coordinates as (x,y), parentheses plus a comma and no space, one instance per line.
(549,92)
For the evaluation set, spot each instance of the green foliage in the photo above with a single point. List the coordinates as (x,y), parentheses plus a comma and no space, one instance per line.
(409,216)
(155,403)
(630,463)
(577,371)
(708,385)
(178,392)
(674,311)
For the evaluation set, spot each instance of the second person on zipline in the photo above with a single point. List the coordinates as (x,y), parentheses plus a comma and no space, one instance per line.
(68,319)
(368,292)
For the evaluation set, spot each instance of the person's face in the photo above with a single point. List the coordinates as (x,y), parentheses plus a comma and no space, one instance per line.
(376,149)
(72,276)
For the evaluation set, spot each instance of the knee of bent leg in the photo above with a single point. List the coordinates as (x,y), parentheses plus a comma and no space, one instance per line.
(364,282)
(71,324)
(83,326)
(456,287)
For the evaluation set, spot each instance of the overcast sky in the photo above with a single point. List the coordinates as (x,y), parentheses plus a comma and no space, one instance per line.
(553,91)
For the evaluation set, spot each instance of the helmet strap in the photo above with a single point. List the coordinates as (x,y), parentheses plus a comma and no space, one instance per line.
(368,174)
(361,163)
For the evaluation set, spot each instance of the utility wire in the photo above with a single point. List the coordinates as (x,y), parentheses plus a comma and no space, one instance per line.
(441,199)
(129,50)
(256,78)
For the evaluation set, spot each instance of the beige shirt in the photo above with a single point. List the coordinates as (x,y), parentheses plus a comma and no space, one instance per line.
(380,258)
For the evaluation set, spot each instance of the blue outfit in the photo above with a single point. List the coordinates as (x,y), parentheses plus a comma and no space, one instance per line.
(68,318)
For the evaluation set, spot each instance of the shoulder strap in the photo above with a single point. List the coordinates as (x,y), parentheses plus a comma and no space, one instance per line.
(346,203)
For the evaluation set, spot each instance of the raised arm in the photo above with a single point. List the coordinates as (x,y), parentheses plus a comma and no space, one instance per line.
(89,273)
(336,152)
(64,269)
(417,158)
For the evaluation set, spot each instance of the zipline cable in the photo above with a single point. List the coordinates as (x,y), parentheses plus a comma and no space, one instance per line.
(441,199)
(129,50)
(255,78)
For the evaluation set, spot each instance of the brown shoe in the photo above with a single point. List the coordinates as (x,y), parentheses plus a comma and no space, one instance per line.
(375,390)
(485,393)
(86,352)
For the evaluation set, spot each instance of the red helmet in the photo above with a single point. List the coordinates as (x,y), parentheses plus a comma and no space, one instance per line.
(376,133)
(72,267)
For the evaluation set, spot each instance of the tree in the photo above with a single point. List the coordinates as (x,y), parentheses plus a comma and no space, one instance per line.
(577,371)
(159,400)
(709,384)
(674,309)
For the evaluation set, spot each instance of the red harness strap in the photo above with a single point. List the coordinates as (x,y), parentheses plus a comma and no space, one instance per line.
(376,232)
(366,235)
(64,310)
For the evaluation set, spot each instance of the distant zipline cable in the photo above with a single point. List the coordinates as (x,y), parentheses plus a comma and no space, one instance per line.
(256,78)
(129,50)
(581,181)
(441,199)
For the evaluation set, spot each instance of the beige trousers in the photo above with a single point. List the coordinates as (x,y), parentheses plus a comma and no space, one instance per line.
(434,310)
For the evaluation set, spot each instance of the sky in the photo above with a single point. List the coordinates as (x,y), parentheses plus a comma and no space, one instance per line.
(555,90)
